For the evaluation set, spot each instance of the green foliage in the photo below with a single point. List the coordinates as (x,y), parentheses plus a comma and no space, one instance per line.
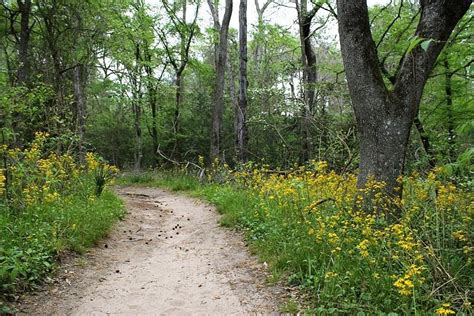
(30,242)
(22,112)
(49,204)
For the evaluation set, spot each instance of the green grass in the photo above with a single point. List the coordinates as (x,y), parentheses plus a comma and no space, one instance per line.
(32,240)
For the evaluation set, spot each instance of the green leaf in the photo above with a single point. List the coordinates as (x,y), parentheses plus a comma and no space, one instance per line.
(413,43)
(425,44)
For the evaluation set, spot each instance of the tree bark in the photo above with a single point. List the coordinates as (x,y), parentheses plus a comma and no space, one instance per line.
(177,113)
(78,76)
(218,97)
(153,102)
(51,36)
(241,113)
(137,110)
(308,60)
(384,118)
(217,26)
(308,57)
(24,40)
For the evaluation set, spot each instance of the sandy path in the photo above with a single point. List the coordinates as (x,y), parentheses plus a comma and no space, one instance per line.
(169,256)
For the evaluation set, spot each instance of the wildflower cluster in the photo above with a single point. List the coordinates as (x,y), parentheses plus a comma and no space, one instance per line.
(445,309)
(38,175)
(2,181)
(405,284)
(348,254)
(48,205)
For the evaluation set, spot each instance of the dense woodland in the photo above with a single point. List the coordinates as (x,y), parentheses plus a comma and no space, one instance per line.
(131,80)
(376,92)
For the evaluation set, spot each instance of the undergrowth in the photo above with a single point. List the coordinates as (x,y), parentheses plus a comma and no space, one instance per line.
(306,226)
(49,204)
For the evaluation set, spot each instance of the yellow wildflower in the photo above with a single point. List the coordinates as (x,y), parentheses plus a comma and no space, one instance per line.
(445,310)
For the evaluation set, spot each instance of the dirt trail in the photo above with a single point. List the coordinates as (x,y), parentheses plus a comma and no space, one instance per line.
(169,256)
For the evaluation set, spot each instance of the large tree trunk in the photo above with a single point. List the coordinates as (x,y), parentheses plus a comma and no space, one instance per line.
(152,100)
(213,6)
(218,98)
(79,76)
(384,117)
(48,15)
(241,113)
(308,56)
(154,127)
(138,153)
(383,142)
(24,69)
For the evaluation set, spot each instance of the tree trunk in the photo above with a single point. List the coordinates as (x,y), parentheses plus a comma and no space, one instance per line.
(233,94)
(241,113)
(260,12)
(308,56)
(218,98)
(152,100)
(449,107)
(213,6)
(48,15)
(137,110)
(177,113)
(308,60)
(138,154)
(384,118)
(383,144)
(24,69)
(154,126)
(78,76)
(186,33)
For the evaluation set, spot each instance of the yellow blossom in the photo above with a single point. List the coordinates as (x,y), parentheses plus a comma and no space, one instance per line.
(445,310)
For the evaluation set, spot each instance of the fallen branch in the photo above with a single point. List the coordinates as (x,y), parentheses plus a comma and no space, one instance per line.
(186,163)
